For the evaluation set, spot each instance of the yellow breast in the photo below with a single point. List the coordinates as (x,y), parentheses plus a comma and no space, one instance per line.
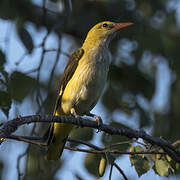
(85,87)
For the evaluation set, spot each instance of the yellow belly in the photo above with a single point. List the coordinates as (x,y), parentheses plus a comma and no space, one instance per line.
(85,87)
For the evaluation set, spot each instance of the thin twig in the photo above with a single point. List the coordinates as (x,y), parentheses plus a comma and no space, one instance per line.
(31,140)
(21,58)
(111,151)
(54,50)
(121,171)
(117,144)
(38,96)
(145,145)
(31,71)
(110,172)
(84,143)
(51,75)
(96,150)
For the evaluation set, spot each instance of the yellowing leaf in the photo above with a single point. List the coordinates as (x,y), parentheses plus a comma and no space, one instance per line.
(139,161)
(162,167)
(102,165)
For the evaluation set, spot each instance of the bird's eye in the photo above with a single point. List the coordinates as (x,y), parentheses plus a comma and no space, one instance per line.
(105,25)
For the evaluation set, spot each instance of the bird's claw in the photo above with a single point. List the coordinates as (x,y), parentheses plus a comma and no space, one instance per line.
(100,123)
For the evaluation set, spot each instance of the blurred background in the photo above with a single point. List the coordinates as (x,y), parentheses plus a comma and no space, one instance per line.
(143,89)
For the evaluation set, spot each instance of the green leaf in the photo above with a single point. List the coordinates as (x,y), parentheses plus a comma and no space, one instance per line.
(178,168)
(85,134)
(4,74)
(108,139)
(20,85)
(139,161)
(2,58)
(91,163)
(145,119)
(24,35)
(112,97)
(26,39)
(167,161)
(5,102)
(176,165)
(54,1)
(1,168)
(36,160)
(110,158)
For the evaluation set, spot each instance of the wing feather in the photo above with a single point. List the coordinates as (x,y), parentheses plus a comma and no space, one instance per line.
(68,73)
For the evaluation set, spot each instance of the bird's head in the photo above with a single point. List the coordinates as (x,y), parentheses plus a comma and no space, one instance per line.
(105,31)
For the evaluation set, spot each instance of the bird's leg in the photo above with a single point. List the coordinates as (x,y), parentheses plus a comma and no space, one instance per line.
(97,119)
(73,113)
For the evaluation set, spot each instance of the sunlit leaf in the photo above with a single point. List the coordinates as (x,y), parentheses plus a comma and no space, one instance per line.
(161,167)
(102,165)
(163,164)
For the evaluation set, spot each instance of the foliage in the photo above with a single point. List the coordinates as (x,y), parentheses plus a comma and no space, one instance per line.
(141,163)
(144,78)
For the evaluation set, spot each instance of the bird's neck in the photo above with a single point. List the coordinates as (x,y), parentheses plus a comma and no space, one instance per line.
(96,51)
(92,42)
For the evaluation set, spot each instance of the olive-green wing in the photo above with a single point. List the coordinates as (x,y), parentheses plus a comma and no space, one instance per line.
(68,73)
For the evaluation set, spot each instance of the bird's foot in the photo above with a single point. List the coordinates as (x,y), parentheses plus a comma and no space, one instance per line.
(98,120)
(100,123)
(73,113)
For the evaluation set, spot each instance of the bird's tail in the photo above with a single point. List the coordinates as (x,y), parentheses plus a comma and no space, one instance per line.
(57,135)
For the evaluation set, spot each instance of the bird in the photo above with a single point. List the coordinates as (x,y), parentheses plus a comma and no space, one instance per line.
(82,83)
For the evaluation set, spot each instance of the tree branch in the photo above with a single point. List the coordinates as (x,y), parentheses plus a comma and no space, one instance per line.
(11,126)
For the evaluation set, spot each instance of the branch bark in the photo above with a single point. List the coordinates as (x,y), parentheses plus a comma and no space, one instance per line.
(11,126)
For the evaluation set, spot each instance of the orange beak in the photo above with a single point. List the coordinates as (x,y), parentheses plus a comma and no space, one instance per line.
(122,25)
